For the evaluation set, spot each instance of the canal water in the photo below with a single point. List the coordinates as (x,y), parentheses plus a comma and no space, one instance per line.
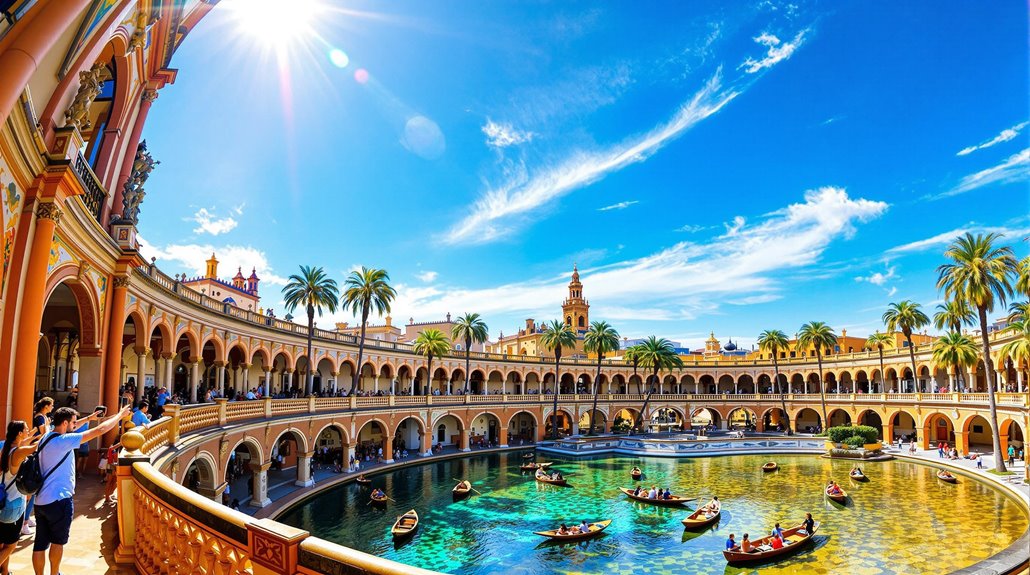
(903,520)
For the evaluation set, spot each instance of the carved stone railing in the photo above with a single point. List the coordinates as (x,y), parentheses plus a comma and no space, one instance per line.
(95,195)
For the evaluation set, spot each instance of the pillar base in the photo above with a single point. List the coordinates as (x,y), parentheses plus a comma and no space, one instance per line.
(427,453)
(125,555)
(304,483)
(259,503)
(388,461)
(466,450)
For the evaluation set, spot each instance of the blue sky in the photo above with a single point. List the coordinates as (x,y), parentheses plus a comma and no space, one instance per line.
(709,167)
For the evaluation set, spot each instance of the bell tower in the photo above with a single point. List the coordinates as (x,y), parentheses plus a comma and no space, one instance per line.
(575,309)
(212,268)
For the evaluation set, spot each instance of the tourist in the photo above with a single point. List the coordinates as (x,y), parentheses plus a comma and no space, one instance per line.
(636,492)
(40,415)
(54,501)
(730,543)
(745,544)
(653,493)
(833,489)
(777,531)
(584,527)
(17,445)
(777,542)
(140,417)
(940,450)
(563,530)
(111,478)
(809,524)
(667,494)
(1012,454)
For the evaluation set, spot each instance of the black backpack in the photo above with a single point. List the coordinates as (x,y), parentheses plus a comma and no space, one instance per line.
(30,478)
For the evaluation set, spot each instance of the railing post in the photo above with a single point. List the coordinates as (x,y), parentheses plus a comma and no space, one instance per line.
(429,400)
(268,407)
(273,546)
(311,404)
(132,441)
(220,402)
(353,402)
(172,411)
(392,402)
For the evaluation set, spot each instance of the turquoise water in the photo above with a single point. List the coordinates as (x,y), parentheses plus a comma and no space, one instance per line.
(901,521)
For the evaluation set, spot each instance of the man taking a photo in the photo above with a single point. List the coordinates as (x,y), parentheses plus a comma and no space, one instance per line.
(54,508)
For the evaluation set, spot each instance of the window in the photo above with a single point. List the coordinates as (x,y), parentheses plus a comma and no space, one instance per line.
(978,429)
(100,115)
(581,320)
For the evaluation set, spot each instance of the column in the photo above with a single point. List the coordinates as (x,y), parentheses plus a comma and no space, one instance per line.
(388,448)
(427,444)
(159,371)
(697,386)
(466,440)
(260,479)
(393,386)
(194,380)
(304,478)
(951,381)
(24,369)
(504,386)
(962,442)
(220,377)
(289,378)
(268,382)
(32,39)
(1019,381)
(169,377)
(502,437)
(375,382)
(141,370)
(888,432)
(245,376)
(575,427)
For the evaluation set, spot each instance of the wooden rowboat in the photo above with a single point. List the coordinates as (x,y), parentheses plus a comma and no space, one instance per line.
(595,530)
(461,490)
(946,478)
(363,481)
(858,476)
(405,525)
(379,500)
(544,478)
(636,474)
(841,497)
(771,466)
(697,519)
(535,466)
(676,500)
(762,550)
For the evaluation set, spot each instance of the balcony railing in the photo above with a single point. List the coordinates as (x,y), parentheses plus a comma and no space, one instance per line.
(95,195)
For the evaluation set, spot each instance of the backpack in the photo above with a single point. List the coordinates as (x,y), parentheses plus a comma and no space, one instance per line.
(30,478)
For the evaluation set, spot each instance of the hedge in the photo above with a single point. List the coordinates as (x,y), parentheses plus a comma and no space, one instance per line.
(842,433)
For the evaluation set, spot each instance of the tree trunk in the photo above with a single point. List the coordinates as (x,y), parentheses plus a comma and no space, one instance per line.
(311,327)
(779,387)
(468,353)
(999,457)
(557,388)
(429,374)
(361,351)
(822,391)
(597,385)
(883,376)
(647,398)
(912,357)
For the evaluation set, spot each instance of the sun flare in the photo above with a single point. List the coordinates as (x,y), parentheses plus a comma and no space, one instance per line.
(277,23)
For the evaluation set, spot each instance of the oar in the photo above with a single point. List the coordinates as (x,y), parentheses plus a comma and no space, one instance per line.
(470,485)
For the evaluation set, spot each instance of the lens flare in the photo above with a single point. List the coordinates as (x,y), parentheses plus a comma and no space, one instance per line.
(338,58)
(361,76)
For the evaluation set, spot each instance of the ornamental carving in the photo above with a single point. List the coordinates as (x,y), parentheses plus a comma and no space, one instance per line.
(90,83)
(120,282)
(49,211)
(149,95)
(132,192)
(269,552)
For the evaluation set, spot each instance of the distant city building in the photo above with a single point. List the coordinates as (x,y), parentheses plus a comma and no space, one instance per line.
(413,329)
(383,332)
(526,341)
(239,291)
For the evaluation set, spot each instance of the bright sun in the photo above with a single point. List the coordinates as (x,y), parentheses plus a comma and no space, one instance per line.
(273,21)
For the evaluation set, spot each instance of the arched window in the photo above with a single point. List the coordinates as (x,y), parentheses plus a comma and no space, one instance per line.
(568,321)
(581,321)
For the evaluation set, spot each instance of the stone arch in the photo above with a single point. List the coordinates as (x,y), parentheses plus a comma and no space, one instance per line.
(937,427)
(253,446)
(447,429)
(901,423)
(409,437)
(262,353)
(565,421)
(978,432)
(1013,433)
(221,353)
(742,418)
(485,426)
(705,416)
(838,416)
(807,420)
(377,429)
(600,420)
(333,425)
(296,435)
(164,333)
(523,425)
(871,418)
(774,419)
(201,473)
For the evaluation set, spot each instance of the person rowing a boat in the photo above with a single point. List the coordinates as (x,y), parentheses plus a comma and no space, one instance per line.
(636,492)
(745,544)
(777,542)
(711,508)
(857,471)
(378,493)
(730,543)
(809,525)
(777,531)
(945,474)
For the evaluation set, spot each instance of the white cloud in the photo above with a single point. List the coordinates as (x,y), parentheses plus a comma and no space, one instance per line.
(892,291)
(618,206)
(209,223)
(733,227)
(521,193)
(777,51)
(877,278)
(945,238)
(692,228)
(1004,136)
(681,281)
(500,135)
(1014,169)
(192,258)
(427,276)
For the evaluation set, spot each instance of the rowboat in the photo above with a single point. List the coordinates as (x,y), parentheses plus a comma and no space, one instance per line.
(771,466)
(363,481)
(405,525)
(544,478)
(675,500)
(528,456)
(535,466)
(381,500)
(461,490)
(857,475)
(949,478)
(636,474)
(762,548)
(595,530)
(841,497)
(697,519)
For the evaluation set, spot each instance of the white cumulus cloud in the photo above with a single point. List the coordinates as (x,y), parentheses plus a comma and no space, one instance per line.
(209,223)
(877,278)
(191,259)
(1004,136)
(776,52)
(427,276)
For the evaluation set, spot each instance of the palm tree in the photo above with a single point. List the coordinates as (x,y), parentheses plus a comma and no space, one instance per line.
(431,343)
(557,335)
(955,350)
(772,341)
(980,274)
(1019,311)
(905,316)
(367,288)
(952,315)
(1018,350)
(315,291)
(821,336)
(632,355)
(657,354)
(1023,277)
(601,338)
(469,328)
(880,340)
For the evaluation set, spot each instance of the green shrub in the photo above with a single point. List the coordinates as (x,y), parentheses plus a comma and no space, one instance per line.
(856,441)
(842,433)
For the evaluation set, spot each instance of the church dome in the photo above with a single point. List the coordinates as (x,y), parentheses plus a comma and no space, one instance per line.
(730,346)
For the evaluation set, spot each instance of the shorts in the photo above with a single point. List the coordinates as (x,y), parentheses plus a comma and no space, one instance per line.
(10,533)
(53,523)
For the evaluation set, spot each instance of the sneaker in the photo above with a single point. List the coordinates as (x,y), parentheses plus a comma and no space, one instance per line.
(25,530)
(31,522)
